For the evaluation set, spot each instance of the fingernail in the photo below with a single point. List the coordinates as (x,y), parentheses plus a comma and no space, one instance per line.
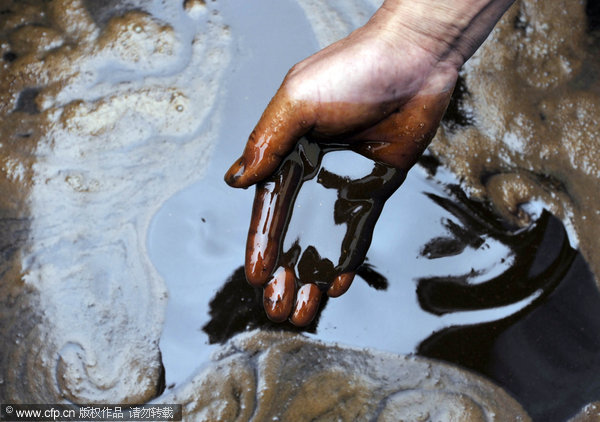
(278,296)
(340,284)
(235,172)
(307,304)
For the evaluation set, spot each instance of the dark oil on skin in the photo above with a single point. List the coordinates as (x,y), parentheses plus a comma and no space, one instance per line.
(547,355)
(358,206)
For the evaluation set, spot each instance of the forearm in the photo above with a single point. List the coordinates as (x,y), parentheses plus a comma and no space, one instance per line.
(451,30)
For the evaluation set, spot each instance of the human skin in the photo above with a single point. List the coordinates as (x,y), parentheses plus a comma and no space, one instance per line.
(381,91)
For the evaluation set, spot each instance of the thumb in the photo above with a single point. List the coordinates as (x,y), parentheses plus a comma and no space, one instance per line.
(282,123)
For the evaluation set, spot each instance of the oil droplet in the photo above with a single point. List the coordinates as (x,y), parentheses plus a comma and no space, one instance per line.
(137,28)
(179,108)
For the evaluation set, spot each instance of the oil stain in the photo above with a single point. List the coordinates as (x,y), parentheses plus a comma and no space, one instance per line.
(546,354)
(527,353)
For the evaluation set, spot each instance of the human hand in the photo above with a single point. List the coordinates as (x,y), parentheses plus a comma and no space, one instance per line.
(376,93)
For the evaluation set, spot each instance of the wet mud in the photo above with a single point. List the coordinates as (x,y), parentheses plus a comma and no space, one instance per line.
(524,124)
(407,387)
(96,103)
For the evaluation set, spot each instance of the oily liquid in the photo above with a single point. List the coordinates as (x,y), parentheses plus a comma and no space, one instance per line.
(527,352)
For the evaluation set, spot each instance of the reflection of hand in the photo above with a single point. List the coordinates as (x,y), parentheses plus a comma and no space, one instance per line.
(381,92)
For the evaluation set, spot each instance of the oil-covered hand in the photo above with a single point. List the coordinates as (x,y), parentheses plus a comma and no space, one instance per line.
(383,103)
(381,96)
(381,92)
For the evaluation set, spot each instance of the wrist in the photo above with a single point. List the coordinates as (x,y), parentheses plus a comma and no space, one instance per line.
(449,30)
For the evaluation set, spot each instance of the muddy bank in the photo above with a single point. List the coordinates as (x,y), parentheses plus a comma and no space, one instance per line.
(96,105)
(251,378)
(526,122)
